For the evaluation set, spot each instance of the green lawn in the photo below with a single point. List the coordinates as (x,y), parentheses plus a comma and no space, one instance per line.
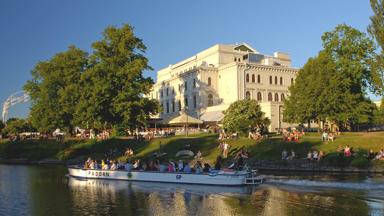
(268,149)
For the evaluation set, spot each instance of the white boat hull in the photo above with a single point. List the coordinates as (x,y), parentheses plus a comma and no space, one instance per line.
(220,178)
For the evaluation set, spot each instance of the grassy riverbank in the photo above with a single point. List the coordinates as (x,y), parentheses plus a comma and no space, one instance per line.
(269,149)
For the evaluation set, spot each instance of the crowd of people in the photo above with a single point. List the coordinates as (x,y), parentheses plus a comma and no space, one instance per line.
(150,165)
(285,156)
(292,135)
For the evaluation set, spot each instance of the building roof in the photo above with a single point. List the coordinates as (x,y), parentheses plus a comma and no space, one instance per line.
(213,116)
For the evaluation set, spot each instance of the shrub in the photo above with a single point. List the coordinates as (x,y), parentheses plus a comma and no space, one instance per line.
(118,130)
(360,162)
(336,160)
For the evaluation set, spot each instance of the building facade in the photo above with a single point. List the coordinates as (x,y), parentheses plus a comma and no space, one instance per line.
(206,84)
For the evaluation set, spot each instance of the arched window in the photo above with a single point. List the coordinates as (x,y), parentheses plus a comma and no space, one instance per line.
(270,79)
(258,78)
(209,81)
(269,96)
(248,95)
(282,97)
(247,78)
(210,100)
(291,81)
(276,97)
(275,80)
(253,78)
(259,96)
(235,59)
(281,80)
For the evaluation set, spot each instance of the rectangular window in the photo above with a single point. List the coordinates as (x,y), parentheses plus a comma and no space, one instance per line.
(186,102)
(173,105)
(179,105)
(167,105)
(185,86)
(194,101)
(194,83)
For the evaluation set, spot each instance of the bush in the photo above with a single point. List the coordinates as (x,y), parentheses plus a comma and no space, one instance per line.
(118,130)
(360,162)
(336,160)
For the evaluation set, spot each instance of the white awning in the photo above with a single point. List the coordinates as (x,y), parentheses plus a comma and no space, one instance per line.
(214,116)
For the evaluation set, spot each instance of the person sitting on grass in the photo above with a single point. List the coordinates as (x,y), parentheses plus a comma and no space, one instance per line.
(347,151)
(380,155)
(309,156)
(315,155)
(293,155)
(284,155)
(331,137)
(321,155)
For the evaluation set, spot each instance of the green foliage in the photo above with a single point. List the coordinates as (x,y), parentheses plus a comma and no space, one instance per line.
(243,115)
(104,88)
(113,87)
(335,159)
(16,126)
(376,30)
(118,130)
(360,162)
(54,89)
(332,85)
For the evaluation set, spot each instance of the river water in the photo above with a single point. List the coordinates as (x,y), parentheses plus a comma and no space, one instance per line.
(45,190)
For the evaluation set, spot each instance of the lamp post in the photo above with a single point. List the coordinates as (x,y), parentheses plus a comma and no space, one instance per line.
(186,128)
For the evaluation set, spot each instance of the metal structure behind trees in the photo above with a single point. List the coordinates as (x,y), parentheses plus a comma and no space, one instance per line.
(13,99)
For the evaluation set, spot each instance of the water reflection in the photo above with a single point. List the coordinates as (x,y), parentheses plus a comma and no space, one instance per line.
(36,190)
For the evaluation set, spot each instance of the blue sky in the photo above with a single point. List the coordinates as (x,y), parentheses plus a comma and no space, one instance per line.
(32,31)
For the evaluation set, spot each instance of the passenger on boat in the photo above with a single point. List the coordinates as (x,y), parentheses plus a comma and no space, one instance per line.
(198,167)
(104,165)
(114,165)
(156,165)
(218,163)
(128,166)
(171,166)
(207,167)
(163,167)
(180,166)
(136,165)
(187,168)
(92,165)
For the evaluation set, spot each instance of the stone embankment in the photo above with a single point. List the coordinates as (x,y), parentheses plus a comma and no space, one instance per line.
(302,165)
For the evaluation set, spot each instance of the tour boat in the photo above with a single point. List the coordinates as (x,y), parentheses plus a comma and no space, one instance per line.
(221,177)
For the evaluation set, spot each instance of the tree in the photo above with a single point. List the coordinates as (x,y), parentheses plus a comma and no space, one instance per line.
(332,85)
(376,30)
(244,115)
(16,126)
(54,89)
(113,86)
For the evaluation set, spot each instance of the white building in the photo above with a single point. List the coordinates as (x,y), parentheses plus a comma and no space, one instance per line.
(207,83)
